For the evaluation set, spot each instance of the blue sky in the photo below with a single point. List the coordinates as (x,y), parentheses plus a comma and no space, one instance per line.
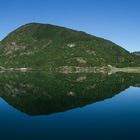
(116,20)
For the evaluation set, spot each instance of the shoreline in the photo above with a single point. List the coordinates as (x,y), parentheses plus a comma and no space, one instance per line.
(74,69)
(126,70)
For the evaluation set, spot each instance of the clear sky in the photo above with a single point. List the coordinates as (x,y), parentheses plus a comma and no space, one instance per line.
(116,20)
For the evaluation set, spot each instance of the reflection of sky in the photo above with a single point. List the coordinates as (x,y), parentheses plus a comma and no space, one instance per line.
(116,20)
(115,118)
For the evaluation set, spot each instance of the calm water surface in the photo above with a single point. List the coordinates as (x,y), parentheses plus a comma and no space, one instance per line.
(43,106)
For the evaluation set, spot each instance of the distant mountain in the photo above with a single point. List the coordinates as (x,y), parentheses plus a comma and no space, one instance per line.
(137,53)
(48,46)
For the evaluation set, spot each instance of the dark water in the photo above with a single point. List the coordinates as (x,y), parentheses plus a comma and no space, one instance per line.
(42,106)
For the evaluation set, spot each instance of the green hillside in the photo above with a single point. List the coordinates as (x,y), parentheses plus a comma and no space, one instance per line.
(48,46)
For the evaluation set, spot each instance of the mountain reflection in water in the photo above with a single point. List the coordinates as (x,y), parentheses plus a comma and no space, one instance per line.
(39,93)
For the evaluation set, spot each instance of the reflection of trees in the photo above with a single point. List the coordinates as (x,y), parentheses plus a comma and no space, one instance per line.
(40,93)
